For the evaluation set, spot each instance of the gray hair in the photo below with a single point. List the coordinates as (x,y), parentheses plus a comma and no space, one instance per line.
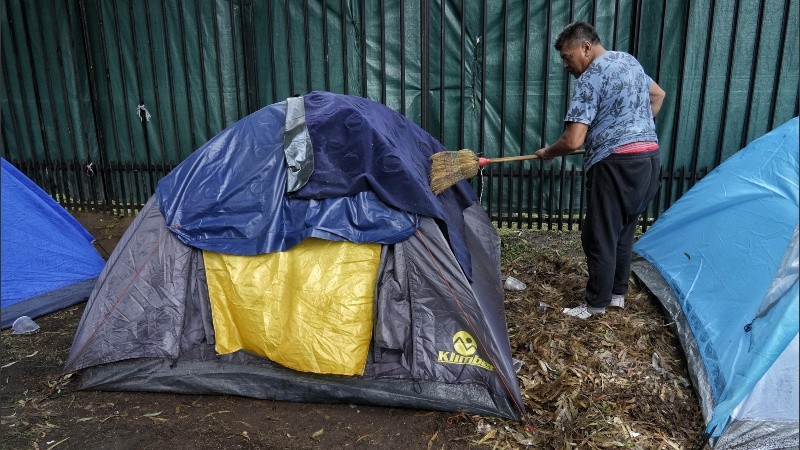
(576,32)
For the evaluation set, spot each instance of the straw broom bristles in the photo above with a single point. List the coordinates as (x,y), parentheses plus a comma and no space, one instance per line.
(448,168)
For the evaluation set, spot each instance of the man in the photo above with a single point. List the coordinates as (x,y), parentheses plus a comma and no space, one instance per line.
(611,116)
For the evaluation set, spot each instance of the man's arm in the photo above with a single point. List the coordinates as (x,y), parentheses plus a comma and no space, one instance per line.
(656,98)
(571,140)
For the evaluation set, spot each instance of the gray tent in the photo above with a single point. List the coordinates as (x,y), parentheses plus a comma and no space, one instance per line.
(439,338)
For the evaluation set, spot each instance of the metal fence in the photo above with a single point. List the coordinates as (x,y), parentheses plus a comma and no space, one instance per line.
(100,99)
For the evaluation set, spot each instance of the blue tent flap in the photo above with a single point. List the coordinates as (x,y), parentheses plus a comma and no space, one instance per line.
(48,260)
(370,181)
(229,196)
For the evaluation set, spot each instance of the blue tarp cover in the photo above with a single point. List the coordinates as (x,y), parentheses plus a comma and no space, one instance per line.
(370,182)
(719,248)
(44,249)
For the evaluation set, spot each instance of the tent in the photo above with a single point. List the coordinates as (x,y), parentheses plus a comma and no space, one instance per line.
(300,255)
(723,260)
(48,260)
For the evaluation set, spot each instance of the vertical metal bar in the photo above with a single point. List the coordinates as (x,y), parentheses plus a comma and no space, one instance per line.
(345,62)
(402,57)
(462,63)
(424,63)
(32,166)
(271,47)
(218,57)
(616,24)
(523,114)
(636,28)
(135,163)
(581,199)
(490,189)
(543,138)
(250,56)
(676,127)
(187,85)
(777,76)
(25,165)
(561,189)
(107,185)
(201,50)
(156,96)
(657,202)
(66,156)
(325,52)
(482,47)
(147,152)
(753,70)
(702,94)
(170,83)
(657,199)
(442,114)
(661,39)
(552,184)
(235,51)
(503,62)
(362,14)
(571,217)
(796,106)
(307,35)
(287,19)
(383,52)
(74,164)
(122,166)
(57,163)
(138,81)
(529,175)
(3,134)
(563,162)
(724,118)
(46,180)
(14,123)
(115,182)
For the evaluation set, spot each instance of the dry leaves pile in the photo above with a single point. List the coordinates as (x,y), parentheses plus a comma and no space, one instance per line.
(614,381)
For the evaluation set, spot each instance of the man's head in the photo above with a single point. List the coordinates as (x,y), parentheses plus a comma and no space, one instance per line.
(576,43)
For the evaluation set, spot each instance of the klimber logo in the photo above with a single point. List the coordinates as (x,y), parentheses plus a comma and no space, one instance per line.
(465,352)
(464,343)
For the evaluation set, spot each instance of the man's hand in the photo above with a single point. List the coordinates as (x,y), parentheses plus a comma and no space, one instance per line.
(543,154)
(570,141)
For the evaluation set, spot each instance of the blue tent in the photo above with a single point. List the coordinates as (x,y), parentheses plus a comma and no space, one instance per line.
(48,261)
(723,260)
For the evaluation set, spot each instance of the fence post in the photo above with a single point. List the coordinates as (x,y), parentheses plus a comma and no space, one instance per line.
(107,189)
(424,69)
(249,55)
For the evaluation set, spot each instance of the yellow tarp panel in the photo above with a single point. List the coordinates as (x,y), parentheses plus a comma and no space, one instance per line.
(308,308)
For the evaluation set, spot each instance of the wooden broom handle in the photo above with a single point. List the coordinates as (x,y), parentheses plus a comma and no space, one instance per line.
(525,157)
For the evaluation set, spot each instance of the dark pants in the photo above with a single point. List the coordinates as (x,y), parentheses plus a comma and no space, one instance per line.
(618,189)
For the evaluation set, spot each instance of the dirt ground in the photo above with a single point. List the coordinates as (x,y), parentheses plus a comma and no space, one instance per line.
(628,389)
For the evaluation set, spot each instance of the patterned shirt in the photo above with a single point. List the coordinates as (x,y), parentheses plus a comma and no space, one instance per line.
(612,97)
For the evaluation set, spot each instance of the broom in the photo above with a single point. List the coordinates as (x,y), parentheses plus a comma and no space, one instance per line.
(448,168)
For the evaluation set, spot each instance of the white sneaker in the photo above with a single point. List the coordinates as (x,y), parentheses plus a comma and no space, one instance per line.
(583,311)
(617,301)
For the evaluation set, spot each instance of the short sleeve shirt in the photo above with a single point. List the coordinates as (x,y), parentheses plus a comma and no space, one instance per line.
(612,97)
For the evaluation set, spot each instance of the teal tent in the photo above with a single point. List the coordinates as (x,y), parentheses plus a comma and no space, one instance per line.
(723,260)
